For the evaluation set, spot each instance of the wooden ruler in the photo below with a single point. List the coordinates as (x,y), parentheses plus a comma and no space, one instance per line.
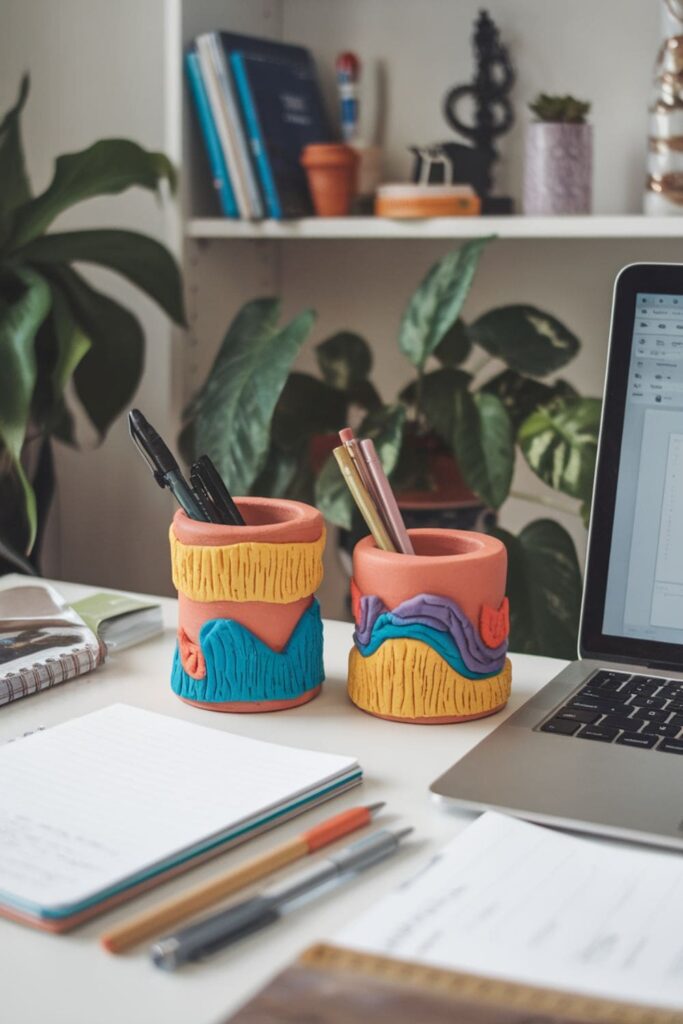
(331,985)
(494,999)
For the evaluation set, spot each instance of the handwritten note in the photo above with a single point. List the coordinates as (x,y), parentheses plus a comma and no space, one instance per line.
(514,900)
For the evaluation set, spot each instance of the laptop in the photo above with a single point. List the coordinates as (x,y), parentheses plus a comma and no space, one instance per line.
(600,748)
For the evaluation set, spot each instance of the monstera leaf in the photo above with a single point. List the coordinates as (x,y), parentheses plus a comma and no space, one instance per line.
(560,443)
(544,587)
(232,413)
(483,444)
(526,338)
(435,306)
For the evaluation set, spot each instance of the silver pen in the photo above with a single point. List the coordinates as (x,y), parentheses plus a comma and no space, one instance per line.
(250,915)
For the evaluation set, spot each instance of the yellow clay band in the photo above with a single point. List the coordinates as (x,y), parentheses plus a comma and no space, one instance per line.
(408,679)
(253,571)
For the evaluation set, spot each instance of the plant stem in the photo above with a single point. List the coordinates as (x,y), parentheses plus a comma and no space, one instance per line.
(419,392)
(543,499)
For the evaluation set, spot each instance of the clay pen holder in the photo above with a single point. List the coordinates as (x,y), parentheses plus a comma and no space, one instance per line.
(249,628)
(432,628)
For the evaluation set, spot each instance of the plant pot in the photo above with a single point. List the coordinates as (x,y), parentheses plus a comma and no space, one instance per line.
(558,168)
(331,173)
(249,629)
(431,628)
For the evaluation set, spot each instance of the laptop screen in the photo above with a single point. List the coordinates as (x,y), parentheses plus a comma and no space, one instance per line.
(644,592)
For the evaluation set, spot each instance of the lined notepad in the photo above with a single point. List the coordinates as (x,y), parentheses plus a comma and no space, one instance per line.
(103,802)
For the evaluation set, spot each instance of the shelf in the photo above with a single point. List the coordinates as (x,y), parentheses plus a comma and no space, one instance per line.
(595,226)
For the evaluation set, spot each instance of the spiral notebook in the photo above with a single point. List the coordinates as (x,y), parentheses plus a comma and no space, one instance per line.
(42,642)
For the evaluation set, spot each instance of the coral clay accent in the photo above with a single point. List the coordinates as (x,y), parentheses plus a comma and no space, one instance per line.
(407,679)
(191,657)
(252,571)
(494,626)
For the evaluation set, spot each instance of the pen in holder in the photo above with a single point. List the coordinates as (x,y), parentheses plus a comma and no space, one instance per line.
(249,630)
(431,628)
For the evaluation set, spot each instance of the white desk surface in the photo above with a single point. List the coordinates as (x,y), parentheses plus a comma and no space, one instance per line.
(69,979)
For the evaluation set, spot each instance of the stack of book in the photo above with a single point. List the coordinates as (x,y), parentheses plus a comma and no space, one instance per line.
(258,103)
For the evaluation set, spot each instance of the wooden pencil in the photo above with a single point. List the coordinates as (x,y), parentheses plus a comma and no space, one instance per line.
(170,912)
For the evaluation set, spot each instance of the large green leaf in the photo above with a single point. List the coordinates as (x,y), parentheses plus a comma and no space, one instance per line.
(278,473)
(344,359)
(107,167)
(544,587)
(455,346)
(521,395)
(332,496)
(15,185)
(437,392)
(526,338)
(143,261)
(72,344)
(107,376)
(560,443)
(436,305)
(306,407)
(385,427)
(234,409)
(483,444)
(20,319)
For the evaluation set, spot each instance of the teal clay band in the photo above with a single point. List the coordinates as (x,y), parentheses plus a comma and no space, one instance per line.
(443,643)
(240,667)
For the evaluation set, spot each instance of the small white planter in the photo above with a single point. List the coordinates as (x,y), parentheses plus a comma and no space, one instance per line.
(558,168)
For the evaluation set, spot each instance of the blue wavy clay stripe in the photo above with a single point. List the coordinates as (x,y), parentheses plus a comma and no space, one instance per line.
(436,613)
(240,667)
(441,642)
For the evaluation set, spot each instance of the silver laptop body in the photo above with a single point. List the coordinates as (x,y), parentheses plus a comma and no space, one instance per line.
(624,781)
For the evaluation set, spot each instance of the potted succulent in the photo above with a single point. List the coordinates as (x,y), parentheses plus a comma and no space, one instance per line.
(476,397)
(558,165)
(59,336)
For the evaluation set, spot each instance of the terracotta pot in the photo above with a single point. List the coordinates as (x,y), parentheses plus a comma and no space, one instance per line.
(331,173)
(249,633)
(431,628)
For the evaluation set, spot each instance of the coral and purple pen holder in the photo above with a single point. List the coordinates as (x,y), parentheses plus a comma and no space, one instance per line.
(431,634)
(249,631)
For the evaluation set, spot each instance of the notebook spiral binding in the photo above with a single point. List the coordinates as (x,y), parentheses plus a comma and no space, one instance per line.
(44,674)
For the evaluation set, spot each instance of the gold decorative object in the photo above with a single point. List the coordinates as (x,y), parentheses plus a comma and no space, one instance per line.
(664,180)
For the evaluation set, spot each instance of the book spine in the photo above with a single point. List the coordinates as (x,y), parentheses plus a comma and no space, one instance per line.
(256,139)
(219,170)
(220,119)
(235,127)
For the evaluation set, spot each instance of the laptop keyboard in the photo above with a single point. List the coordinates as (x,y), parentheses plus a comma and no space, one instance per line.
(631,710)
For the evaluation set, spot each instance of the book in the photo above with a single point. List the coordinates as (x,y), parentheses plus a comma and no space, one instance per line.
(212,145)
(120,621)
(43,642)
(256,139)
(283,111)
(122,798)
(221,122)
(226,113)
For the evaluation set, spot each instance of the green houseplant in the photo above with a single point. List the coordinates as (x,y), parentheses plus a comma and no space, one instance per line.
(59,336)
(477,394)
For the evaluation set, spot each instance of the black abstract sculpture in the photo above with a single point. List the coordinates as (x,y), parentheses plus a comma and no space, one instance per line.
(488,95)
